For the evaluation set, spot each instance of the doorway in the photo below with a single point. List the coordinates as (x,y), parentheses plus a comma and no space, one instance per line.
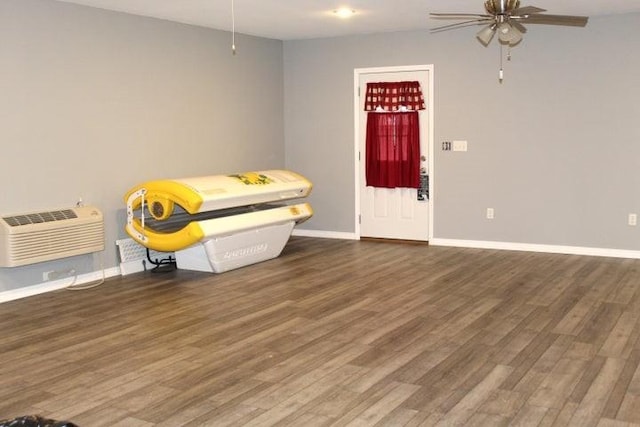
(394,213)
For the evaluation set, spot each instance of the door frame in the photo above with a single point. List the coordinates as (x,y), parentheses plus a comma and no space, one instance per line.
(357,72)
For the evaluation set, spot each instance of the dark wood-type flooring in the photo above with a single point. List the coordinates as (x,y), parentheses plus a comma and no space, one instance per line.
(337,333)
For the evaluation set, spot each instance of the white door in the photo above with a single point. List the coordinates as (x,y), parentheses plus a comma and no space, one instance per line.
(394,213)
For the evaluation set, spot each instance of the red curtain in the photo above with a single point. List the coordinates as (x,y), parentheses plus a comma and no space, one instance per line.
(393,150)
(389,96)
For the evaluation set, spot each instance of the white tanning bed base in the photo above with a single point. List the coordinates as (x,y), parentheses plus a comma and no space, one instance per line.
(224,222)
(238,250)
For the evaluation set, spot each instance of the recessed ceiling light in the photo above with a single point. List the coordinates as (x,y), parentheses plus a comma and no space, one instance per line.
(344,12)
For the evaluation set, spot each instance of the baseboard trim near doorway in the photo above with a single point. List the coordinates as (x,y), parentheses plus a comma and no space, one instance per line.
(324,234)
(404,241)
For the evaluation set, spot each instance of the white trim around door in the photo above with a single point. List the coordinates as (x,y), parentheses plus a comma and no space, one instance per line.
(356,144)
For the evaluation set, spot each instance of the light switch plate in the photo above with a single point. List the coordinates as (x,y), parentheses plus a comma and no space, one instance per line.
(459,145)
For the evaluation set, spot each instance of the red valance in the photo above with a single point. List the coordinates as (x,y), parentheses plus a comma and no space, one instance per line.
(390,96)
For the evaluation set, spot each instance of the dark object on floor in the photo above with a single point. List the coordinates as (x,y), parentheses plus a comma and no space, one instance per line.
(35,421)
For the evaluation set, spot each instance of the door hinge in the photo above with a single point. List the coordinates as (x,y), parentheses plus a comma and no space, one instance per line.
(358,91)
(359,219)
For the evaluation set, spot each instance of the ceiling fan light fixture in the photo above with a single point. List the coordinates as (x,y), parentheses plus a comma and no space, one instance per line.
(507,33)
(486,34)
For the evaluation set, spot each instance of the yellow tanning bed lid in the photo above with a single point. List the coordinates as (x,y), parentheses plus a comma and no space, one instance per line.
(208,193)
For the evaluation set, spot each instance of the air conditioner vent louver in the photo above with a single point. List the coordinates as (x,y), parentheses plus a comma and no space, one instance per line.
(36,218)
(43,236)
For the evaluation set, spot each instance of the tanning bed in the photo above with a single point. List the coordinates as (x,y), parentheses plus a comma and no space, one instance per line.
(221,222)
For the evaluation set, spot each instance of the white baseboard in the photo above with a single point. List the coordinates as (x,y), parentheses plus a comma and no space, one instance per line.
(54,285)
(325,234)
(482,244)
(530,247)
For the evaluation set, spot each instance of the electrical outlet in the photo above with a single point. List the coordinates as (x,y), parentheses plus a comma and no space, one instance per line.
(633,219)
(490,213)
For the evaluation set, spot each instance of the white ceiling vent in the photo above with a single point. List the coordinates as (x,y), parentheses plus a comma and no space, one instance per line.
(43,236)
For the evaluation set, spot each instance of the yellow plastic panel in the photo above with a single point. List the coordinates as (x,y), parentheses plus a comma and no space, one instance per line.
(168,242)
(166,192)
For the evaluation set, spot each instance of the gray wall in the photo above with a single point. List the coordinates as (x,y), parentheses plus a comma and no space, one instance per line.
(555,149)
(94,102)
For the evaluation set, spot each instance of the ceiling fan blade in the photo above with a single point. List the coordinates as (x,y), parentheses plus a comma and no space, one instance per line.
(458,15)
(570,20)
(461,25)
(527,10)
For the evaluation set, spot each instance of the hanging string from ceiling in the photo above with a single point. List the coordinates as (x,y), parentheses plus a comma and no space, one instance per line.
(233,29)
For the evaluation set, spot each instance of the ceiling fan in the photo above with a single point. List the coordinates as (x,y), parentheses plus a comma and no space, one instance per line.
(505,17)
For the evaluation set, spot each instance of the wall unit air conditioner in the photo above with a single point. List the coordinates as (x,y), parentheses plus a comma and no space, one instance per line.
(29,238)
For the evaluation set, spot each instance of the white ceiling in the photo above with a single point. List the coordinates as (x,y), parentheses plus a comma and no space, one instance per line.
(304,19)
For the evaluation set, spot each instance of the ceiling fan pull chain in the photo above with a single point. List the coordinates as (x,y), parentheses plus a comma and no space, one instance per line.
(501,72)
(233,28)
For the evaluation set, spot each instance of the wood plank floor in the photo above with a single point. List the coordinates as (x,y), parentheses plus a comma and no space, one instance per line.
(341,333)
